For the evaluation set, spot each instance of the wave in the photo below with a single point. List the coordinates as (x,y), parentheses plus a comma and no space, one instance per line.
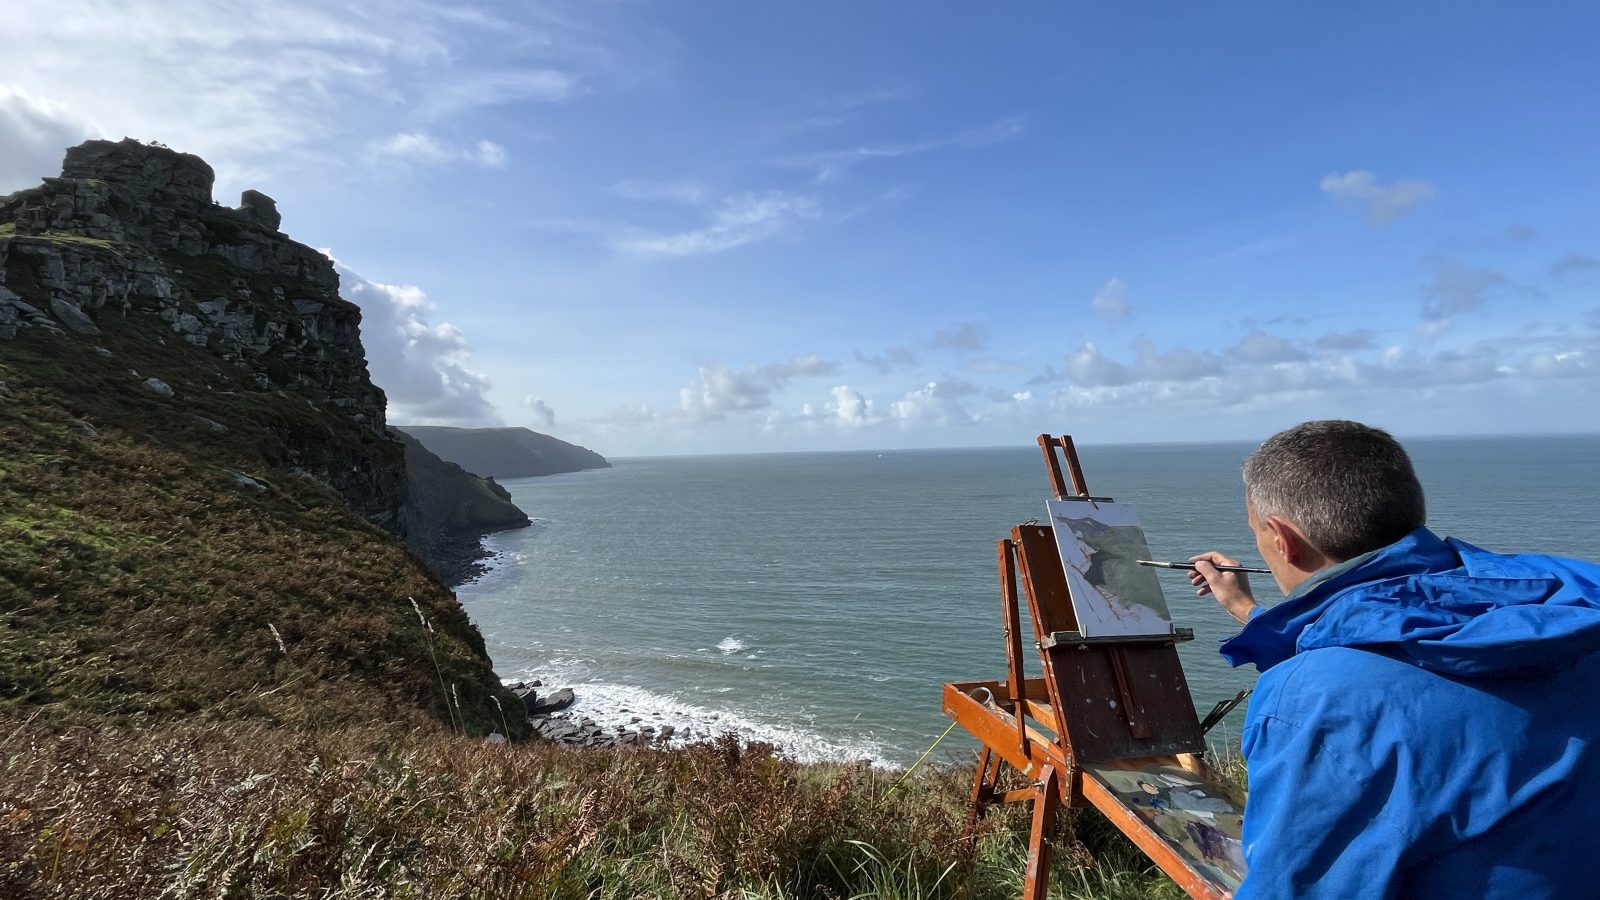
(614,706)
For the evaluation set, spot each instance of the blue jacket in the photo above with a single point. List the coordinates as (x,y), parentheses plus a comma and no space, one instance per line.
(1426,724)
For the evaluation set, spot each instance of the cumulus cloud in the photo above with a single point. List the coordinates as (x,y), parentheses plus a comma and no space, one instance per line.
(422,367)
(936,403)
(1354,339)
(421,148)
(738,220)
(890,359)
(966,336)
(1177,364)
(848,408)
(35,134)
(1260,347)
(1384,203)
(542,415)
(720,390)
(1089,367)
(1111,301)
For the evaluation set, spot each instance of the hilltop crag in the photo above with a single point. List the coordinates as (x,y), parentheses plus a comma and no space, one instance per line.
(203,505)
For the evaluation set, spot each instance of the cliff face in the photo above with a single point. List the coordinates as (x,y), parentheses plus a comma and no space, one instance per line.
(449,511)
(506,452)
(130,229)
(200,497)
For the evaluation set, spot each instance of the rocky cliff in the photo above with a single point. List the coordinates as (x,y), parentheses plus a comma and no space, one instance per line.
(450,510)
(130,230)
(200,497)
(506,452)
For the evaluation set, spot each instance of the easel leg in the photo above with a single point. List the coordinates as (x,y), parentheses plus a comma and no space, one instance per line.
(982,791)
(1036,885)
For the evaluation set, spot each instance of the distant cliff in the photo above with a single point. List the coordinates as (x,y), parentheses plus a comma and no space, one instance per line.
(505,452)
(203,506)
(451,509)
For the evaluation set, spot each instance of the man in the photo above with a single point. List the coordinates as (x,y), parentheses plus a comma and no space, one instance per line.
(1427,720)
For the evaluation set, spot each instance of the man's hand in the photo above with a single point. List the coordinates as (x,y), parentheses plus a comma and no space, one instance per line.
(1232,589)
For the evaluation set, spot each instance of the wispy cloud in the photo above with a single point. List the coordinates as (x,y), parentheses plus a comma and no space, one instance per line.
(826,165)
(1384,203)
(257,88)
(421,148)
(736,221)
(1111,301)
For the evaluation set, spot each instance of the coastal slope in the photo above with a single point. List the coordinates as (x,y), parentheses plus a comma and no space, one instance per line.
(450,510)
(202,512)
(505,452)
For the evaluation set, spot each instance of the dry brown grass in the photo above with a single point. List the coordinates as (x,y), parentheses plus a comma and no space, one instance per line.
(244,810)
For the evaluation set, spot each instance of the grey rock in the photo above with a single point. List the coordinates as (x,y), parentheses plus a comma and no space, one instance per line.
(5,390)
(246,481)
(260,208)
(211,425)
(102,351)
(667,731)
(73,317)
(554,703)
(84,428)
(158,387)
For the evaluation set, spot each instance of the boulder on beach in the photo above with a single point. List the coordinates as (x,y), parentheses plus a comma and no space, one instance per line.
(555,702)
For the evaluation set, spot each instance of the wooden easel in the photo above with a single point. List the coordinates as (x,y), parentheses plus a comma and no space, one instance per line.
(1105,708)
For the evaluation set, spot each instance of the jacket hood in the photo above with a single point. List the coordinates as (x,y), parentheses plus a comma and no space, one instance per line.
(1443,605)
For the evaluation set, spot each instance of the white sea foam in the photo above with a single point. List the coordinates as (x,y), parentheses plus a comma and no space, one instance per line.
(614,706)
(730,645)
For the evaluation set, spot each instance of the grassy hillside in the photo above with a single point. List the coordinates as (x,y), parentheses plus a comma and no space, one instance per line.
(142,577)
(242,811)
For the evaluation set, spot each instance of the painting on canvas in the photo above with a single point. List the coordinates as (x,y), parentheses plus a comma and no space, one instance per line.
(1100,544)
(1198,818)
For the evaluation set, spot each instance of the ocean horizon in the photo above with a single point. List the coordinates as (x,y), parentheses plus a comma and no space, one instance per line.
(819,599)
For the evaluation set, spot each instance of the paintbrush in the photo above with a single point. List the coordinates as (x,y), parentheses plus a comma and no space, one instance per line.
(1191,567)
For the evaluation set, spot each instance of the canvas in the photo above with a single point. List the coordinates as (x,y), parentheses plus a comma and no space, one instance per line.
(1198,818)
(1100,545)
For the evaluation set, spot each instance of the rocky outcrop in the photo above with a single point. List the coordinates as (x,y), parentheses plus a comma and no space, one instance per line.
(506,452)
(129,232)
(449,510)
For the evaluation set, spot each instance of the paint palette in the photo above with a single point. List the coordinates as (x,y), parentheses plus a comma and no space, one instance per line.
(1196,816)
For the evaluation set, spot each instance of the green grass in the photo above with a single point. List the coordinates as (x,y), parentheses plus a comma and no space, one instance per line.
(139,580)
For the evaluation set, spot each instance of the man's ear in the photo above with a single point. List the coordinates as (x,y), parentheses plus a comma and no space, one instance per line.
(1288,541)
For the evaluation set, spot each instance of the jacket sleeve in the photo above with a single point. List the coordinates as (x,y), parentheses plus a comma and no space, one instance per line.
(1311,823)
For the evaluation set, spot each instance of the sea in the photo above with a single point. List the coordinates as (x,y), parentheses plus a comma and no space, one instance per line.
(819,600)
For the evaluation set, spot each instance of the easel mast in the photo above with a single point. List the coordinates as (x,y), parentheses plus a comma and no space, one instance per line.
(1103,700)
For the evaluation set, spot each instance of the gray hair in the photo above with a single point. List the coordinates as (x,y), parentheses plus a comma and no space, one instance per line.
(1348,487)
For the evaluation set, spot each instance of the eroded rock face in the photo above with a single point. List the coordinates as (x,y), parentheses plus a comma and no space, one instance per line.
(130,229)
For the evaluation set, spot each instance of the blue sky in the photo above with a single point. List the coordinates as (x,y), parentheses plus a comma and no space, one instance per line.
(668,227)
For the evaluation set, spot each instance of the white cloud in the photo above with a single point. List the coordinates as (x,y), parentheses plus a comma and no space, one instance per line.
(421,148)
(543,415)
(890,359)
(35,135)
(1177,364)
(937,403)
(829,164)
(1456,288)
(1260,347)
(849,408)
(720,390)
(966,336)
(1089,367)
(1383,203)
(1111,301)
(1354,339)
(738,220)
(690,192)
(420,366)
(256,88)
